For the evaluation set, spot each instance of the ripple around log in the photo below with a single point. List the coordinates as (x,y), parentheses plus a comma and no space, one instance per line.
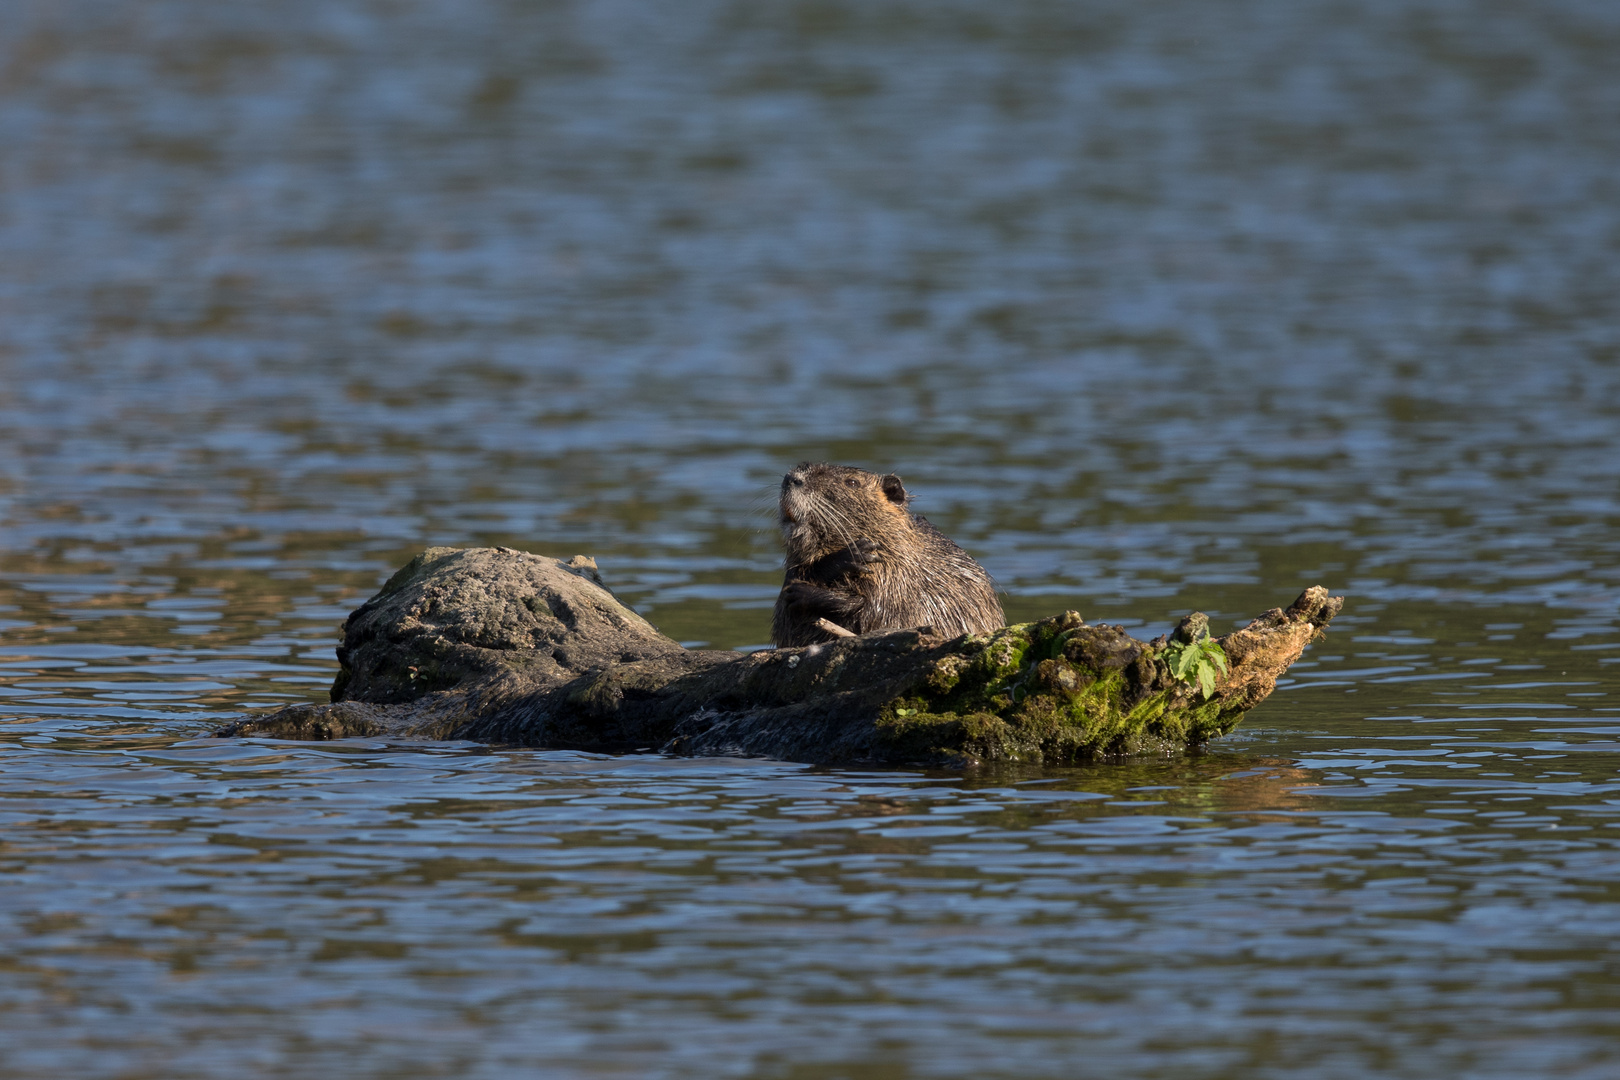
(499,646)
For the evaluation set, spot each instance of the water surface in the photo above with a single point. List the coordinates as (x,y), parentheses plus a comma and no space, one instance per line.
(1155,307)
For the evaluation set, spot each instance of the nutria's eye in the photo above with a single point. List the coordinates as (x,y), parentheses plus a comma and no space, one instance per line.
(851,481)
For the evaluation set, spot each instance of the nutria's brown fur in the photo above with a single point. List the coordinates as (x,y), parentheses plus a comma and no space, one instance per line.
(858,558)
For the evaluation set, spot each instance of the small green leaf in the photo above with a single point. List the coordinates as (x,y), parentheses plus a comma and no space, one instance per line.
(1203,660)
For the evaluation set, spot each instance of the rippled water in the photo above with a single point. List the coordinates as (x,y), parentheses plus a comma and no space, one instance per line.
(1155,307)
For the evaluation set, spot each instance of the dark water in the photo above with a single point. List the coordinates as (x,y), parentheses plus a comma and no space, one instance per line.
(1155,306)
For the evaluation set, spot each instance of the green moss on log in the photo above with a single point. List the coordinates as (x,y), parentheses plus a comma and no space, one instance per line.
(1053,691)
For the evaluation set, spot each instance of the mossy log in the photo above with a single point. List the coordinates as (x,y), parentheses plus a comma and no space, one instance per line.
(499,646)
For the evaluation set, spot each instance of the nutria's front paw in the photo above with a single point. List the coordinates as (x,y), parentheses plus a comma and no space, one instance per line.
(798,593)
(866,551)
(807,601)
(852,561)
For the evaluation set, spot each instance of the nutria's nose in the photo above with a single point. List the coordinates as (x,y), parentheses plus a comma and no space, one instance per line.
(793,479)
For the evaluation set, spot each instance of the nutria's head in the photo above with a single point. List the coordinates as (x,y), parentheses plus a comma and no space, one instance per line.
(828,507)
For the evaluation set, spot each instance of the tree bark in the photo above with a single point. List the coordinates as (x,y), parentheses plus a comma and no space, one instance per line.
(499,646)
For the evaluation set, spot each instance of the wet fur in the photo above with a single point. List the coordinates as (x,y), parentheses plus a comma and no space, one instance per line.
(857,557)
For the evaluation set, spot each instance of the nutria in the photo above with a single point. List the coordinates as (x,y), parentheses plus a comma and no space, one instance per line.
(857,558)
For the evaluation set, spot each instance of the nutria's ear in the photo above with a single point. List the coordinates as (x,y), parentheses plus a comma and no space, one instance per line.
(894,489)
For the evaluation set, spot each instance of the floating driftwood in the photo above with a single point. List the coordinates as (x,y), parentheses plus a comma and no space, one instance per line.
(499,646)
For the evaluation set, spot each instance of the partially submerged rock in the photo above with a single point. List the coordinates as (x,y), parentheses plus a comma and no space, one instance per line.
(499,646)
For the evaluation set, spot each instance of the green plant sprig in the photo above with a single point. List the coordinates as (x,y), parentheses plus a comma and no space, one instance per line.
(1202,658)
